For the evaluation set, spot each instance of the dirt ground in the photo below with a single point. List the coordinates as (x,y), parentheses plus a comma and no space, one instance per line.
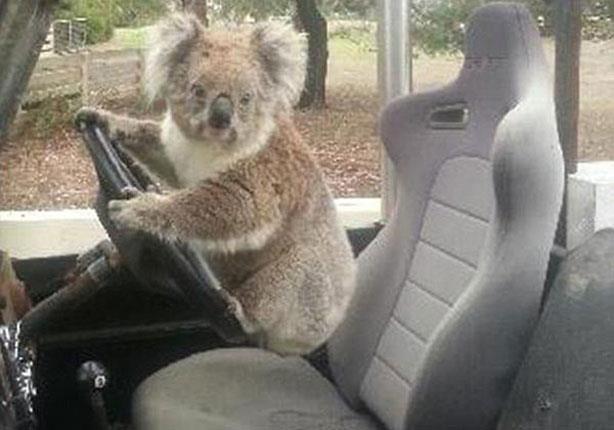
(51,170)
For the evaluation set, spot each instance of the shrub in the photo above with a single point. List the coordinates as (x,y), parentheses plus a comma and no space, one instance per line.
(104,15)
(136,13)
(43,118)
(360,34)
(98,14)
(438,24)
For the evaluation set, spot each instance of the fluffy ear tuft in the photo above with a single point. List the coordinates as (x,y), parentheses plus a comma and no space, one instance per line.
(170,40)
(281,51)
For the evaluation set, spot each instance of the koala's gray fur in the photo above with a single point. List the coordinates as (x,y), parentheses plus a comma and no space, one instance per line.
(245,189)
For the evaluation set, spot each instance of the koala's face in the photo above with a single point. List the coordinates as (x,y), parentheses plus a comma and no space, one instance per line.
(215,94)
(225,88)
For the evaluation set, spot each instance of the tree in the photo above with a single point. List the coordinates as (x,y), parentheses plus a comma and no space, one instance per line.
(307,17)
(239,10)
(23,27)
(437,24)
(359,8)
(198,7)
(315,25)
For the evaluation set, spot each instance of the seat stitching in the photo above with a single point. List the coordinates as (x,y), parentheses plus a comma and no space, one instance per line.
(398,374)
(459,210)
(430,293)
(448,253)
(408,329)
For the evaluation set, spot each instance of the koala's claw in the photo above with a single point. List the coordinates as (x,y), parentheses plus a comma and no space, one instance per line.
(235,308)
(135,213)
(232,304)
(87,116)
(130,192)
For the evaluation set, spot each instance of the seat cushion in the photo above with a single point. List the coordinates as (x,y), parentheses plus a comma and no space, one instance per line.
(242,388)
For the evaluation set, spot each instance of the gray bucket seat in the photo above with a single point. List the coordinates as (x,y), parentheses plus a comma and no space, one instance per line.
(448,293)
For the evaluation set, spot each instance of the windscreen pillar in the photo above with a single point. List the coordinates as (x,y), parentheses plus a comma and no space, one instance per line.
(393,74)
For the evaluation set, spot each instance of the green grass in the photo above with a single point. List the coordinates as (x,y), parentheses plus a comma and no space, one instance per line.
(353,43)
(130,38)
(352,49)
(355,39)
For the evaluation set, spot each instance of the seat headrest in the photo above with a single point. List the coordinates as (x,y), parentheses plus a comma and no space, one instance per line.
(507,32)
(504,66)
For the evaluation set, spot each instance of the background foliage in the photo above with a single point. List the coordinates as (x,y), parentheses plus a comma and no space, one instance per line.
(437,26)
(239,10)
(104,15)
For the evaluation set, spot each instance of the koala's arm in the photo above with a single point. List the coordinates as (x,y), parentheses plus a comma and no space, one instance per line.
(140,138)
(227,214)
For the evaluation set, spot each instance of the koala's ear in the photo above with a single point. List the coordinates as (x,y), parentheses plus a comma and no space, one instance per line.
(170,40)
(281,51)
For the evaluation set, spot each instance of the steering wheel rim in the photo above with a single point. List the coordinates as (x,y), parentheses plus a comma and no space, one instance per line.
(174,269)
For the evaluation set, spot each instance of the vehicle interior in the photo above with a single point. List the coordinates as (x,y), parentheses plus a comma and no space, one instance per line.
(466,316)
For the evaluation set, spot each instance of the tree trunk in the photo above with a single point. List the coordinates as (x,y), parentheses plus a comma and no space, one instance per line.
(314,24)
(23,27)
(199,8)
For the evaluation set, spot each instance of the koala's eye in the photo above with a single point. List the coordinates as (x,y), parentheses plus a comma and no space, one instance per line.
(198,91)
(246,98)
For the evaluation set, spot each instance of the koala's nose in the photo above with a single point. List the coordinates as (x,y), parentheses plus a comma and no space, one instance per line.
(220,113)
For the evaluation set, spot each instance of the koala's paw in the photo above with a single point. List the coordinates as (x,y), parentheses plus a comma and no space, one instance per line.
(122,214)
(235,308)
(90,116)
(135,214)
(130,192)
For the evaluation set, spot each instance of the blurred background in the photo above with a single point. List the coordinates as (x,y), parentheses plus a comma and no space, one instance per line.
(93,55)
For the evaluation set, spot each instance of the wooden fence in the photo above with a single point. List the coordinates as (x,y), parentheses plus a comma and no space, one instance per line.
(93,74)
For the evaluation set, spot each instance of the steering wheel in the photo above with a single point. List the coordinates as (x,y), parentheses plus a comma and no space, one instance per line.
(174,269)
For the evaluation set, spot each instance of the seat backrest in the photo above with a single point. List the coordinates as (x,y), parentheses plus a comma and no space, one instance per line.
(449,290)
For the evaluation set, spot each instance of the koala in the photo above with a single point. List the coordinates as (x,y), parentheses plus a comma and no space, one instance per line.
(242,186)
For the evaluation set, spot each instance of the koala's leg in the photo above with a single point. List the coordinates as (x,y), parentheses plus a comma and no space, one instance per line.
(224,214)
(290,301)
(140,138)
